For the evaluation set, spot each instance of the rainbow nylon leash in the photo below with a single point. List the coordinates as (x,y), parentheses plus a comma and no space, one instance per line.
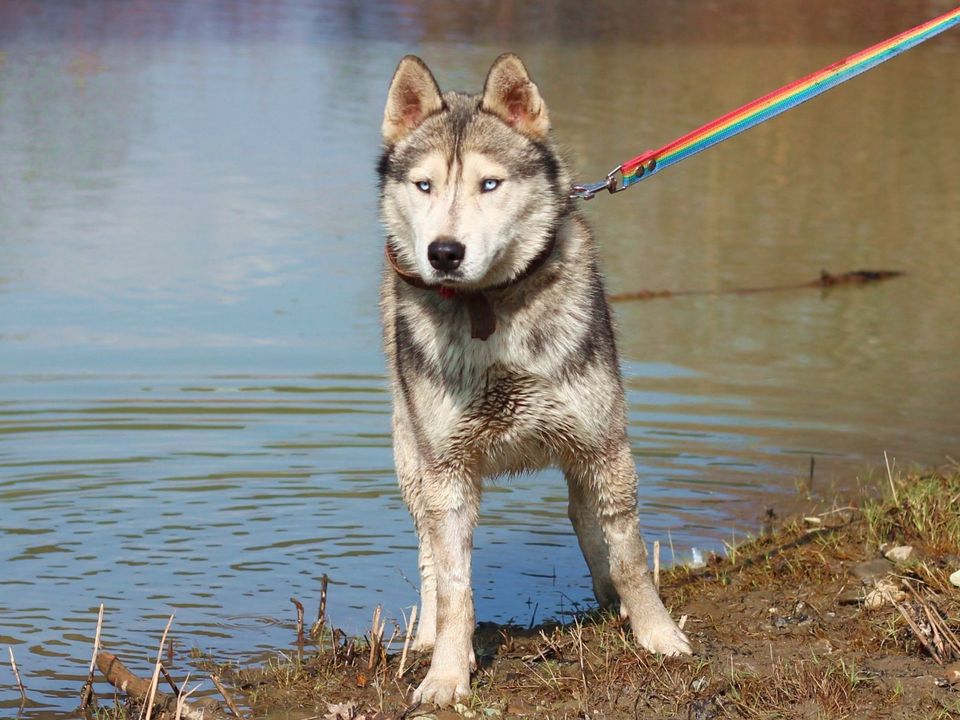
(763,108)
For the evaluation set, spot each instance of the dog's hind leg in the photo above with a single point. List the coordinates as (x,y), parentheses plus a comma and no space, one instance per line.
(583,515)
(614,487)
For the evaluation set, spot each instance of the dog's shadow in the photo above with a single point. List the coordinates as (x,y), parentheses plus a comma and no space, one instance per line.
(539,642)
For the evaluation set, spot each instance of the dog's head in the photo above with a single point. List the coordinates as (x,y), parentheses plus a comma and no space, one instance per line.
(471,188)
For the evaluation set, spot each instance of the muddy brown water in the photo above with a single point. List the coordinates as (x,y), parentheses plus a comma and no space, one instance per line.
(193,410)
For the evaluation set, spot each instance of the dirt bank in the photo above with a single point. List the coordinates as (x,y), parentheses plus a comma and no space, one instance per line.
(809,621)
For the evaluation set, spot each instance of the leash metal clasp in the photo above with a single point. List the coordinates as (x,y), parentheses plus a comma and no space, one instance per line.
(589,190)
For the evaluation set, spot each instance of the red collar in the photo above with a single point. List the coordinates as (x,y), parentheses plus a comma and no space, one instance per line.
(483,319)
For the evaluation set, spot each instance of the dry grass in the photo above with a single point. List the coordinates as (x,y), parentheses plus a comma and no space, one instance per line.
(928,513)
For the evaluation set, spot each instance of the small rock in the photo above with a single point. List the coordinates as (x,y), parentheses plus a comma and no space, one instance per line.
(871,570)
(492,712)
(519,708)
(952,673)
(899,554)
(885,591)
(822,647)
(701,709)
(955,578)
(699,684)
(340,711)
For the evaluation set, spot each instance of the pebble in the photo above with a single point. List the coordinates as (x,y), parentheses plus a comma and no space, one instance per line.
(884,592)
(899,554)
(518,708)
(955,578)
(871,570)
(952,673)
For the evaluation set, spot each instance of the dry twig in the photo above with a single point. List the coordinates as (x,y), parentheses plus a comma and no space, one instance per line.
(376,638)
(87,695)
(411,624)
(16,674)
(297,604)
(226,696)
(893,488)
(155,680)
(170,680)
(317,630)
(656,564)
(182,697)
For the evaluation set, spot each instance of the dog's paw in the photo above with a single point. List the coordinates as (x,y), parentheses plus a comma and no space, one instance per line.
(662,636)
(442,689)
(653,628)
(422,643)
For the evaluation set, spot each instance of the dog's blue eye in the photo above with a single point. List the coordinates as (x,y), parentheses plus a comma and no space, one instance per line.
(423,185)
(489,185)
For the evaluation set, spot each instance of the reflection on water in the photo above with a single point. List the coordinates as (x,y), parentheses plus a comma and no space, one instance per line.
(193,413)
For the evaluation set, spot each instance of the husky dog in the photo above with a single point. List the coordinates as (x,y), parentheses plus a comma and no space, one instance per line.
(501,351)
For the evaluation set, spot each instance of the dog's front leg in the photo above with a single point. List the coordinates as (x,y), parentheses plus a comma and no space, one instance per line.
(427,625)
(449,528)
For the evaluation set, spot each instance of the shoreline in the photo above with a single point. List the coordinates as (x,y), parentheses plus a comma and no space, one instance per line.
(809,620)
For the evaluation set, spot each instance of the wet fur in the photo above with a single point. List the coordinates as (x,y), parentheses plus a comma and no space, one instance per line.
(544,389)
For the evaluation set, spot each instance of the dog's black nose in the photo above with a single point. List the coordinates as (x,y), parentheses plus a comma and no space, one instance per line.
(446,254)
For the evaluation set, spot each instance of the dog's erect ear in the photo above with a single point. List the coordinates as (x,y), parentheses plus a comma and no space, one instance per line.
(510,93)
(413,95)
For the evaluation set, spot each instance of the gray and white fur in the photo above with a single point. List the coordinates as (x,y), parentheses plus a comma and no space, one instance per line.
(474,197)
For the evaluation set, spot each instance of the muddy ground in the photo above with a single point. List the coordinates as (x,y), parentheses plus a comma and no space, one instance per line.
(809,621)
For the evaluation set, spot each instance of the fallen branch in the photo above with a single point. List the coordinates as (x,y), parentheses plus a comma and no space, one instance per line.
(826,280)
(139,689)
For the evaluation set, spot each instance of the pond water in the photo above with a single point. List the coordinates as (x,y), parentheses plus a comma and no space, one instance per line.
(193,410)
